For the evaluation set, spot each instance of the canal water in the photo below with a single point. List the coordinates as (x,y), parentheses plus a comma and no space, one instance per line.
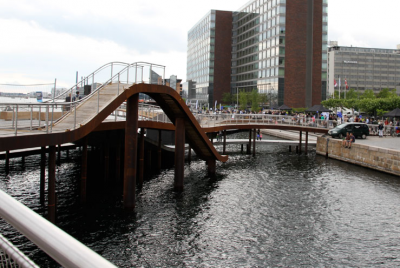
(278,209)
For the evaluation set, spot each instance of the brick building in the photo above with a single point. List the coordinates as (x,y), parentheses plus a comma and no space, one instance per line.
(278,47)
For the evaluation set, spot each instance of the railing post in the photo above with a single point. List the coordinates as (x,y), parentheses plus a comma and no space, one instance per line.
(150,82)
(127,74)
(31,117)
(40,114)
(118,85)
(111,71)
(75,104)
(47,119)
(13,116)
(16,121)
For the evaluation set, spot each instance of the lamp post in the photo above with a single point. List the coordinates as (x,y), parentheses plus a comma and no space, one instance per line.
(270,97)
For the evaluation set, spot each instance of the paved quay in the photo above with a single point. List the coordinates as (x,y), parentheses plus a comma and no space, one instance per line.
(385,142)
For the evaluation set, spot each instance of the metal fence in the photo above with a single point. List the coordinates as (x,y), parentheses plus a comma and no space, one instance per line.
(60,246)
(21,118)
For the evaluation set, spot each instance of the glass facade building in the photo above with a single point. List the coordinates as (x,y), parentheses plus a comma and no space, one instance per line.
(364,68)
(266,36)
(200,56)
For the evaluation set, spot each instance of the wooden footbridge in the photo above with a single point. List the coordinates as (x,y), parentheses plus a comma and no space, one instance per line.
(82,117)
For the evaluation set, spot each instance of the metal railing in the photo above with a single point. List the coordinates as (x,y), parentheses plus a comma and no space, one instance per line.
(11,256)
(19,118)
(59,245)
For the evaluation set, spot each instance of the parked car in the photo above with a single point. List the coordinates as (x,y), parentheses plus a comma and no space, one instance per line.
(358,129)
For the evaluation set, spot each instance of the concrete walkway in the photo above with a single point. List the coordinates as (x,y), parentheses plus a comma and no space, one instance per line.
(385,142)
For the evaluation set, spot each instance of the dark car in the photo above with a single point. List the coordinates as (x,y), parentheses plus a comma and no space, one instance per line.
(358,129)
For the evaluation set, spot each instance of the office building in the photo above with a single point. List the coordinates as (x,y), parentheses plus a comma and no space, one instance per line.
(209,56)
(363,68)
(276,46)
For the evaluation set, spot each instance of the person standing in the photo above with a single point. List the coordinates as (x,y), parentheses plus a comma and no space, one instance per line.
(380,130)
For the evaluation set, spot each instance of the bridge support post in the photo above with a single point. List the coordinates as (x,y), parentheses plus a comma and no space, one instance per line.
(179,153)
(190,154)
(141,158)
(159,150)
(306,149)
(59,155)
(211,167)
(249,145)
(300,141)
(224,147)
(148,162)
(118,162)
(130,161)
(42,173)
(52,185)
(84,170)
(106,160)
(7,162)
(254,143)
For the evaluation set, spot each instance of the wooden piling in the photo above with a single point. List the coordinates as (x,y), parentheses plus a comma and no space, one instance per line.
(52,185)
(159,150)
(84,170)
(141,158)
(179,153)
(42,174)
(130,160)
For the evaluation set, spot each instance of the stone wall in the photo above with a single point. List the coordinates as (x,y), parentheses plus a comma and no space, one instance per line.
(381,159)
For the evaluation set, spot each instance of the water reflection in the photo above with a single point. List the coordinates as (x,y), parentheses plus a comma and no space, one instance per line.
(278,209)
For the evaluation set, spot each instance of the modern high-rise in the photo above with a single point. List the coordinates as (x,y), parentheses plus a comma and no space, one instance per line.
(363,68)
(276,46)
(209,56)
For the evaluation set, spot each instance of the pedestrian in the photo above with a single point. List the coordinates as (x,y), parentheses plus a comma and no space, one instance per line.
(351,140)
(345,140)
(260,136)
(380,130)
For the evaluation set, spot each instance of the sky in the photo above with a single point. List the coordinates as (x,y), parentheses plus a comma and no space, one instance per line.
(44,40)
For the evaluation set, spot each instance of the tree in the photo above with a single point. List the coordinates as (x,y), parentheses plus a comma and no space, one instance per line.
(227,98)
(368,94)
(242,100)
(255,101)
(352,94)
(263,99)
(386,93)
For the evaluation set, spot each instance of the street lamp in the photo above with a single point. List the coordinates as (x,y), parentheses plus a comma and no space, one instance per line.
(270,97)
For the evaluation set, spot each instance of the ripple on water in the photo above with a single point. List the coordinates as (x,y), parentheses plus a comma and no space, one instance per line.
(278,209)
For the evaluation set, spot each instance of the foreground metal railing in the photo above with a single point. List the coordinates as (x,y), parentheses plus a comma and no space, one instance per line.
(20,118)
(11,256)
(59,245)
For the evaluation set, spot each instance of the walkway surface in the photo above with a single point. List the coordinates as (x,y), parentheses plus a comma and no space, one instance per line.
(385,142)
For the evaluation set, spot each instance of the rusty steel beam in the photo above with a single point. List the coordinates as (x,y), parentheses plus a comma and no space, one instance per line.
(52,185)
(224,147)
(84,170)
(159,150)
(254,142)
(130,163)
(179,153)
(300,141)
(306,149)
(106,160)
(42,173)
(141,158)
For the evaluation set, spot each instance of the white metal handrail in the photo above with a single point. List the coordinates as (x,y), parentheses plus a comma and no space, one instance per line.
(59,245)
(11,256)
(71,106)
